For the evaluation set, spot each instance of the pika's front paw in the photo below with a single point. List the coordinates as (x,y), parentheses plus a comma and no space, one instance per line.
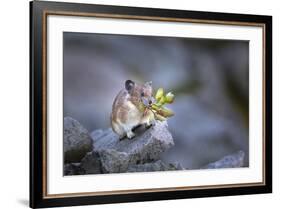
(147,126)
(153,122)
(130,134)
(150,124)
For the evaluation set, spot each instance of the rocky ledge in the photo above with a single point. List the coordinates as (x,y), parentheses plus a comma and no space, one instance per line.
(103,152)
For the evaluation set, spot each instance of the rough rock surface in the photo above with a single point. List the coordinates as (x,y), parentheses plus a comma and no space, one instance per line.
(230,161)
(156,166)
(147,146)
(73,169)
(104,152)
(91,163)
(76,141)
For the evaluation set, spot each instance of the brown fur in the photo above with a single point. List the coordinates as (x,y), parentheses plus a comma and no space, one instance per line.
(128,110)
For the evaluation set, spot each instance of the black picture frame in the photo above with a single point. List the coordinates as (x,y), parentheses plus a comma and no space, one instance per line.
(38,12)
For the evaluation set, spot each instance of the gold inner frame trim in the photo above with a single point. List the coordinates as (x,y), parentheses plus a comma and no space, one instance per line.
(148,18)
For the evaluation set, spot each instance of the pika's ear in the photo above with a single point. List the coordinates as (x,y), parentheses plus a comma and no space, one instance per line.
(148,83)
(129,85)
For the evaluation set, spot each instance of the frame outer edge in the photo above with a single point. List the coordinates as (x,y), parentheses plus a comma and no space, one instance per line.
(268,110)
(36,146)
(36,103)
(31,86)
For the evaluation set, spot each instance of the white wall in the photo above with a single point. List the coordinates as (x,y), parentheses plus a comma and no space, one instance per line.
(14,85)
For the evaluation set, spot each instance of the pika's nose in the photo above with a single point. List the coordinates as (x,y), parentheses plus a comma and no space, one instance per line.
(152,100)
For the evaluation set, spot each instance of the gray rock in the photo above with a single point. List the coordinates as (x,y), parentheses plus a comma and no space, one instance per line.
(113,161)
(97,134)
(91,163)
(155,166)
(230,161)
(147,146)
(73,169)
(76,141)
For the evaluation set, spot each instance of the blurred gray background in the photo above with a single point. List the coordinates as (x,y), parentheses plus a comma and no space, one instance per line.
(210,80)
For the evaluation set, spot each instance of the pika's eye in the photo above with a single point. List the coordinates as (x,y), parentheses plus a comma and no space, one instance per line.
(142,94)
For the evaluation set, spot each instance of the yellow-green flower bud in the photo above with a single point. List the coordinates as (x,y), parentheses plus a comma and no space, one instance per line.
(169,98)
(159,94)
(162,100)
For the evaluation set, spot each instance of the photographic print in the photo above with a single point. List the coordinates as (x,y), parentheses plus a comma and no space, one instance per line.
(133,104)
(136,103)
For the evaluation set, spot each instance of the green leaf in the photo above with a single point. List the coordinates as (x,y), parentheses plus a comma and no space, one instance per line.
(165,112)
(159,117)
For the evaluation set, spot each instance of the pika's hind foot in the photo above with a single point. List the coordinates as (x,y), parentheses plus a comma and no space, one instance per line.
(130,134)
(122,137)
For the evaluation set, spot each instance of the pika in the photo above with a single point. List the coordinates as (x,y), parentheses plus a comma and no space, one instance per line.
(129,110)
